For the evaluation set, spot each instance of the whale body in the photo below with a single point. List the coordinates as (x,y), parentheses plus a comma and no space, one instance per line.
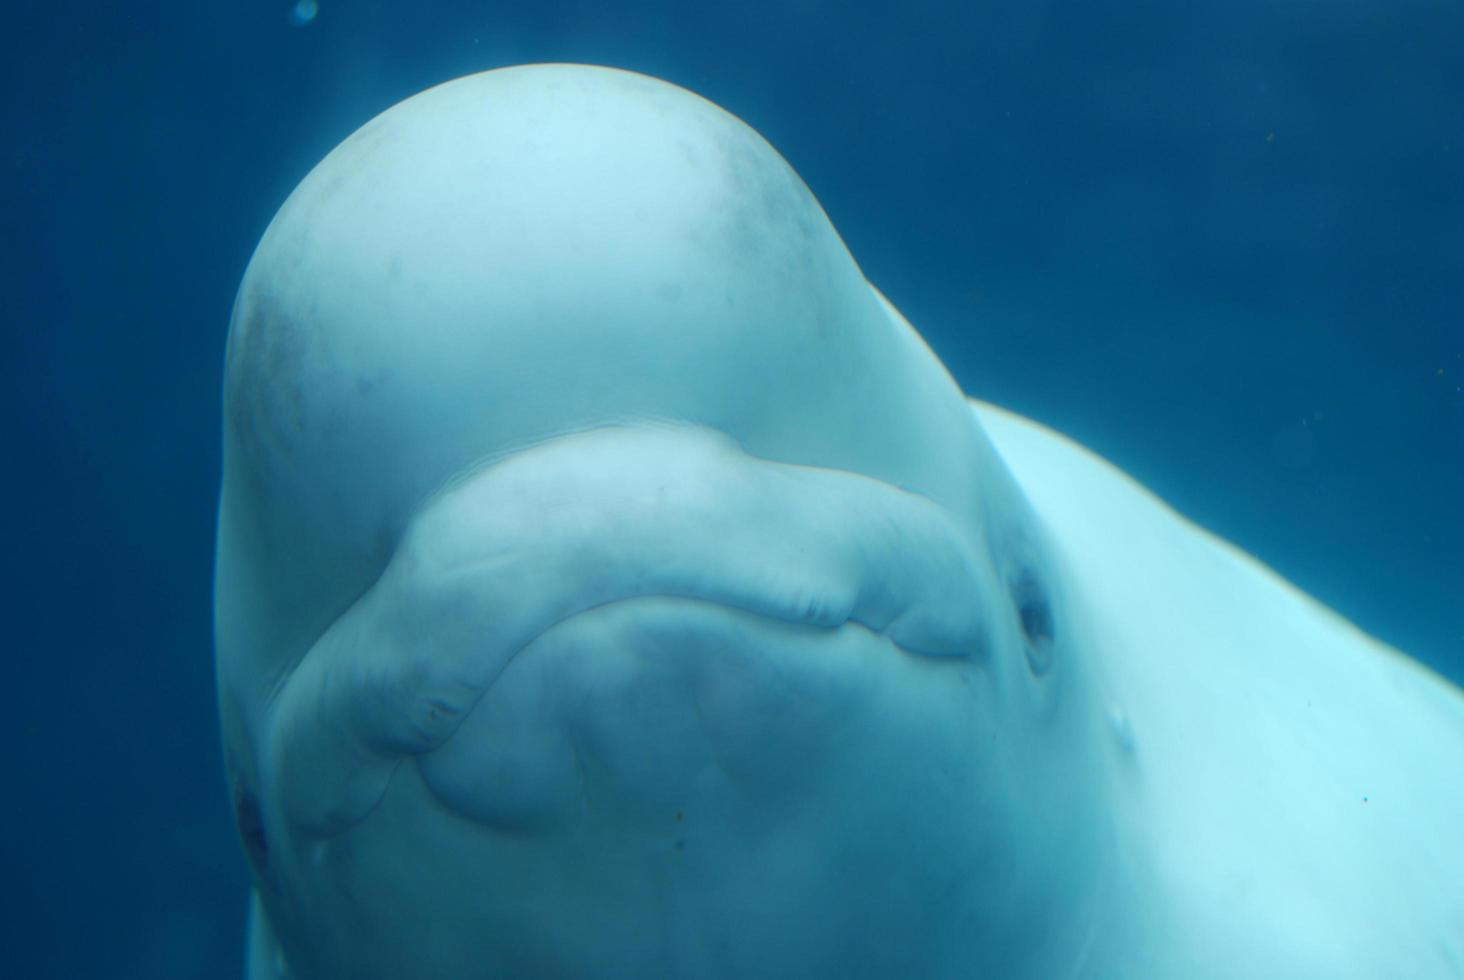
(611,583)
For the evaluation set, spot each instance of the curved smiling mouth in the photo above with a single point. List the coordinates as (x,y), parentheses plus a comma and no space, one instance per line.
(580,522)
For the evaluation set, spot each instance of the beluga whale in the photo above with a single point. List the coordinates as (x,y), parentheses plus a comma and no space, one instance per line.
(611,583)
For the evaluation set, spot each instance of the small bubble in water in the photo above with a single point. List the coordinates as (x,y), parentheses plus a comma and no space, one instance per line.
(303,12)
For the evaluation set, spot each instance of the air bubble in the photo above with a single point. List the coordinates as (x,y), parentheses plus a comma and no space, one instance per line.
(303,12)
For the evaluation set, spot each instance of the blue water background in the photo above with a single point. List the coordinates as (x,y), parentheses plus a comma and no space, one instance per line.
(1222,244)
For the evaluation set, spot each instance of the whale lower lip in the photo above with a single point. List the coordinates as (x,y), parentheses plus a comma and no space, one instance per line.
(632,706)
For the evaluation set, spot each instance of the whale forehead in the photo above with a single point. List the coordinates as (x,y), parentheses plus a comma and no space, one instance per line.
(523,253)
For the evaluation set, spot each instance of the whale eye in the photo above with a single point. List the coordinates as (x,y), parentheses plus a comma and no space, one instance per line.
(1034,610)
(250,823)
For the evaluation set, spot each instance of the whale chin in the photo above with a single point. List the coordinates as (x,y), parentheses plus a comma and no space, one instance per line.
(662,786)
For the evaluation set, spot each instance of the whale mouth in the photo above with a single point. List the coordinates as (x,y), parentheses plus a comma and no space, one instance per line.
(522,547)
(654,705)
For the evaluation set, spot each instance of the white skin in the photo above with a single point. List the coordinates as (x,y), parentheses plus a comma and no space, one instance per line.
(611,583)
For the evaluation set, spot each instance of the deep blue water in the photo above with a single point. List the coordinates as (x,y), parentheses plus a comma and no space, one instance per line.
(1221,244)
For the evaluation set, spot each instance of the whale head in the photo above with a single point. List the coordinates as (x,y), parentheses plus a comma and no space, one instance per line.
(611,582)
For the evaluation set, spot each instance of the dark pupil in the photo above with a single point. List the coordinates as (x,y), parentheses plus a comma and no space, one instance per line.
(1035,613)
(251,829)
(1036,620)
